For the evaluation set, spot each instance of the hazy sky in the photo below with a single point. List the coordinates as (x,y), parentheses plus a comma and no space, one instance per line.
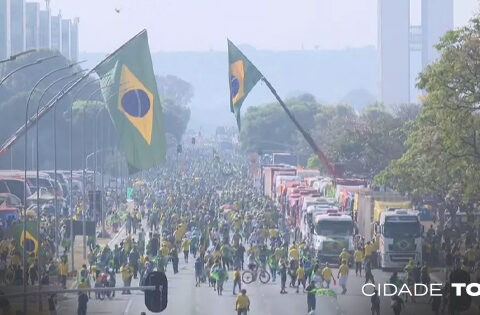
(176,25)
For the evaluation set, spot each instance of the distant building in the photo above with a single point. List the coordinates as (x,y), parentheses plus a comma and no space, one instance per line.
(45,29)
(66,28)
(17,26)
(74,48)
(437,19)
(56,32)
(397,39)
(32,25)
(5,48)
(393,51)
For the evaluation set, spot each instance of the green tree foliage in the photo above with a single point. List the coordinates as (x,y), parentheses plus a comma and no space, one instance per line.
(364,142)
(176,94)
(314,162)
(268,128)
(174,88)
(442,156)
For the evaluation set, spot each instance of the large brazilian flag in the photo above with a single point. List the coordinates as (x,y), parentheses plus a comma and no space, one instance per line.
(130,91)
(243,76)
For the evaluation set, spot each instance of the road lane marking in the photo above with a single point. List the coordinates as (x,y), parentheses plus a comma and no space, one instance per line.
(127,309)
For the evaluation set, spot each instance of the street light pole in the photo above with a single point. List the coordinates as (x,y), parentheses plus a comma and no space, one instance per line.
(84,170)
(103,186)
(72,236)
(25,188)
(55,146)
(39,236)
(24,271)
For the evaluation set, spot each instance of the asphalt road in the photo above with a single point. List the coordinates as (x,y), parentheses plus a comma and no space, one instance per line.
(185,298)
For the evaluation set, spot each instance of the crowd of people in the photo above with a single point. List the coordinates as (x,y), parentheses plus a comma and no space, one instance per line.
(204,208)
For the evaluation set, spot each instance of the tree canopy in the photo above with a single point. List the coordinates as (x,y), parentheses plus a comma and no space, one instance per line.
(364,142)
(442,156)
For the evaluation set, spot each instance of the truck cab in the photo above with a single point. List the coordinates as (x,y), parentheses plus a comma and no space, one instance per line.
(332,232)
(399,233)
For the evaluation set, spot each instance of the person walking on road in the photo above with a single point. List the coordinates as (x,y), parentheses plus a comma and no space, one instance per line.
(368,273)
(397,304)
(311,298)
(236,280)
(343,276)
(52,308)
(358,256)
(82,297)
(283,277)
(375,301)
(199,272)
(174,258)
(127,273)
(301,277)
(63,272)
(242,304)
(327,276)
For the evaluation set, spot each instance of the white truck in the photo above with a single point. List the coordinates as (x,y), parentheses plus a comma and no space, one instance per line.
(399,233)
(332,232)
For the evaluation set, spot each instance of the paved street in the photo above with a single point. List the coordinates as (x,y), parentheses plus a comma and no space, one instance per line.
(185,298)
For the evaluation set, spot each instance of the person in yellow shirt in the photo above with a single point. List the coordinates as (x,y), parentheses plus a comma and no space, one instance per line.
(344,255)
(63,272)
(236,280)
(327,275)
(301,277)
(242,304)
(368,251)
(127,272)
(294,254)
(358,256)
(343,275)
(185,248)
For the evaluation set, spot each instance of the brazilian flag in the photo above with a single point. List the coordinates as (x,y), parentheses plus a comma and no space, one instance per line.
(130,91)
(27,240)
(243,76)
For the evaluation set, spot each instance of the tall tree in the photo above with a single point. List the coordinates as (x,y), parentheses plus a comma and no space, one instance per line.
(443,153)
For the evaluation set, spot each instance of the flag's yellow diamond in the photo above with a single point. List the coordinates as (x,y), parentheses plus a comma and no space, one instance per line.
(135,101)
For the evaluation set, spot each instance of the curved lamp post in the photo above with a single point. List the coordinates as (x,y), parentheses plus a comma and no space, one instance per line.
(25,166)
(54,141)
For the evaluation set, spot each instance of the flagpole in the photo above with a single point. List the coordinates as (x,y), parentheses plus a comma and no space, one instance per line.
(305,134)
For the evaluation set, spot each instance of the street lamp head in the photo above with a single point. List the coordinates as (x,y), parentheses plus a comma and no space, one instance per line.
(40,60)
(13,57)
(77,63)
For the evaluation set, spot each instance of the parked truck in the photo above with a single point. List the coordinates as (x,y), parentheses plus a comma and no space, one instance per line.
(332,232)
(384,217)
(399,233)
